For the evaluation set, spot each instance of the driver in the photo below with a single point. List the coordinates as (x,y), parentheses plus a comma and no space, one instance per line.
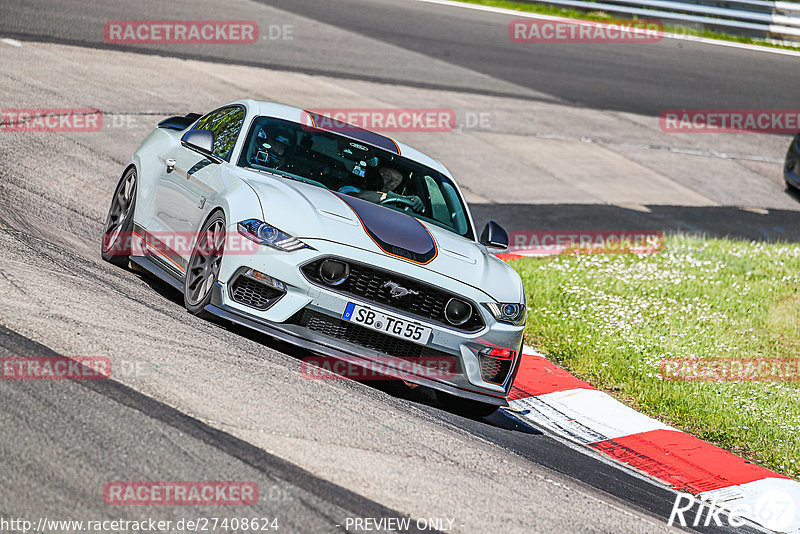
(391,179)
(272,147)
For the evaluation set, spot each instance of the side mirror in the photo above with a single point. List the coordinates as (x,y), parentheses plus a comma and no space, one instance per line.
(201,141)
(493,236)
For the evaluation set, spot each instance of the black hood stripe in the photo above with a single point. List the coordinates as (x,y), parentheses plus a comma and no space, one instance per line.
(395,233)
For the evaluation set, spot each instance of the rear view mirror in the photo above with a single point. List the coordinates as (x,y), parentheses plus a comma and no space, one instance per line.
(493,236)
(201,141)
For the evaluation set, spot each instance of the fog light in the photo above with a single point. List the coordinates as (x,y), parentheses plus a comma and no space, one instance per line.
(334,272)
(500,354)
(265,279)
(496,364)
(457,312)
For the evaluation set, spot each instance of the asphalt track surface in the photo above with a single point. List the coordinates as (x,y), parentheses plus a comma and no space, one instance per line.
(642,78)
(411,44)
(193,418)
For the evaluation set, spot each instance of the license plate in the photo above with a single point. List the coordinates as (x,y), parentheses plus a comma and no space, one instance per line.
(387,324)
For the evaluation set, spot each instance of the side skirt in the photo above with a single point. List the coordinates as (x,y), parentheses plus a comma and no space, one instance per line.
(157,270)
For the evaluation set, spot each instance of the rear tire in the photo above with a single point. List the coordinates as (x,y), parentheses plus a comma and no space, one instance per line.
(465,407)
(203,270)
(118,231)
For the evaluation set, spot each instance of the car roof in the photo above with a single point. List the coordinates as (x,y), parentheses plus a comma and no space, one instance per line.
(301,116)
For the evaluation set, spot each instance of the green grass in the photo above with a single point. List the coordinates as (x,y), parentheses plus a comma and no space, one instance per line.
(611,319)
(602,16)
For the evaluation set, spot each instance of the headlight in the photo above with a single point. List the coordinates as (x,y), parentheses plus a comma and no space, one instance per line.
(265,234)
(506,312)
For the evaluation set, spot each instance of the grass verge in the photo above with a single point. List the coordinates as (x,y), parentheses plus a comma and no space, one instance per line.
(611,319)
(602,16)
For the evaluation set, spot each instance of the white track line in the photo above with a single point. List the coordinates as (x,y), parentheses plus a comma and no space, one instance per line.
(528,15)
(601,413)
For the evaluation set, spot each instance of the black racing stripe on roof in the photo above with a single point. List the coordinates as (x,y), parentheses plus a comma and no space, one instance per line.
(356,133)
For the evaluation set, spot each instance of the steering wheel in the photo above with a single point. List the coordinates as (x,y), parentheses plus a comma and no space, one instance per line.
(407,204)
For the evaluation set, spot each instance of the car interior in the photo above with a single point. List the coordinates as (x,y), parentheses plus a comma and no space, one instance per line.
(338,163)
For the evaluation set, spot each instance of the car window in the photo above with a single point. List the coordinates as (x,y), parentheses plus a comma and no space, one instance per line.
(341,164)
(226,123)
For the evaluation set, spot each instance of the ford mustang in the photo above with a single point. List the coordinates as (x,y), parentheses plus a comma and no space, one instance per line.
(339,240)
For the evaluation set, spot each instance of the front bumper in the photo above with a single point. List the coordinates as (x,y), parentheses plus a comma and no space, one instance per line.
(280,319)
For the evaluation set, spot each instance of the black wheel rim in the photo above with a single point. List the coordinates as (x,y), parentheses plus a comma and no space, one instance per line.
(119,211)
(205,263)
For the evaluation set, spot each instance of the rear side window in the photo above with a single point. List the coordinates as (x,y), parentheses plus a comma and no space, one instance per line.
(226,123)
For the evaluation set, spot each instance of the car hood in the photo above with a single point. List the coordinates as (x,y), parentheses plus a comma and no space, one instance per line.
(310,212)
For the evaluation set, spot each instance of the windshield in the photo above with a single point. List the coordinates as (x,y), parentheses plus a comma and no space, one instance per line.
(341,164)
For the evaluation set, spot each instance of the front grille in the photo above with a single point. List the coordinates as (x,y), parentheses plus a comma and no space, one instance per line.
(368,283)
(494,370)
(370,339)
(252,293)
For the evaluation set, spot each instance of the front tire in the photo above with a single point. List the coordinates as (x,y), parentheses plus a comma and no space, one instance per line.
(466,407)
(202,272)
(118,231)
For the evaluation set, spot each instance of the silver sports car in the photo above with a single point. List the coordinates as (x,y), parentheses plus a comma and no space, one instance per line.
(336,239)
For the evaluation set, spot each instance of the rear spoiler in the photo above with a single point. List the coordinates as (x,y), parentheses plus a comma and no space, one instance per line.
(179,123)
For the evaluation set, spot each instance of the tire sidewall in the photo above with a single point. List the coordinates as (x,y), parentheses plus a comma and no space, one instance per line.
(122,254)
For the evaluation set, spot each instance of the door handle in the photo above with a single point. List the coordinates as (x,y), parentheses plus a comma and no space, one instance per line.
(170,165)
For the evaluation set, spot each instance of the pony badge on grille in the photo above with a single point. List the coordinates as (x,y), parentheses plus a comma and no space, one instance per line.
(398,291)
